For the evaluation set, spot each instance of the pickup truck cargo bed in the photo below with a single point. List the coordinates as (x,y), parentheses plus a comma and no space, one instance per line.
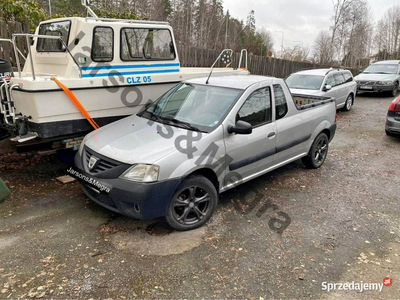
(306,101)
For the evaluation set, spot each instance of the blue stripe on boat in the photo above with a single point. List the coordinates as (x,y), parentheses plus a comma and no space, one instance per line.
(130,66)
(130,73)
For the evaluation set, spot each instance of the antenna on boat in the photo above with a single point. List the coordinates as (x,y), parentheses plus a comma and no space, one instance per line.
(226,59)
(87,3)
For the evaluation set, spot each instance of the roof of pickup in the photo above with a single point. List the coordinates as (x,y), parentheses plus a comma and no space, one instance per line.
(235,81)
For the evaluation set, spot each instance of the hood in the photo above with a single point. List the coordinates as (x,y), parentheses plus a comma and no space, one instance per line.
(307,92)
(376,77)
(132,140)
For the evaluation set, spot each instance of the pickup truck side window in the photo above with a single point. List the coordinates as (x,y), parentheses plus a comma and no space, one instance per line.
(281,107)
(330,81)
(339,78)
(257,108)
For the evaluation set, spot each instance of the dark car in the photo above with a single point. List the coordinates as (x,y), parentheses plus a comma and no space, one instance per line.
(380,77)
(393,118)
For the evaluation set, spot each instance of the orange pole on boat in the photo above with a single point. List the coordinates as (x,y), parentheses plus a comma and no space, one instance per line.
(76,102)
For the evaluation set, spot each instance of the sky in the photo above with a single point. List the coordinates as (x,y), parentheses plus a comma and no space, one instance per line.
(300,20)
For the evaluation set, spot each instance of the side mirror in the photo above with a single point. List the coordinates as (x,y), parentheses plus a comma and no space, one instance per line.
(241,127)
(327,88)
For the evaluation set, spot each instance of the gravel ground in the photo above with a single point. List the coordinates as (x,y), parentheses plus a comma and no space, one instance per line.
(342,226)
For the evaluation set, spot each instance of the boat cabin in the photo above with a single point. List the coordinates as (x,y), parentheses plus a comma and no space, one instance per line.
(101,47)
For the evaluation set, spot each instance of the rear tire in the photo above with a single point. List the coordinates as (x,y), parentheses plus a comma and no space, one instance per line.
(318,152)
(193,203)
(349,103)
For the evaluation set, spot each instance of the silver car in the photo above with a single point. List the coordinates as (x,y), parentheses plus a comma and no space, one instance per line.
(380,77)
(335,83)
(174,157)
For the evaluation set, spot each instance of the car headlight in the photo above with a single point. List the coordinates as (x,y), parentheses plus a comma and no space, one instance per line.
(142,172)
(385,82)
(82,145)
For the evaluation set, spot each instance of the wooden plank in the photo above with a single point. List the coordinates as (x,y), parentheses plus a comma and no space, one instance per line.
(66,179)
(5,45)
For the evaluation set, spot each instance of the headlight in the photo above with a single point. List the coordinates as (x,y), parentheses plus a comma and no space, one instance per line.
(82,145)
(141,172)
(385,82)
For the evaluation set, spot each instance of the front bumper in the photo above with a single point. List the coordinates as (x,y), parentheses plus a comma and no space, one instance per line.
(134,199)
(375,88)
(392,123)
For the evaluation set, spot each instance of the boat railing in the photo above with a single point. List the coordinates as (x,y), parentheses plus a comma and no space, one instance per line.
(15,48)
(127,21)
(28,36)
(240,59)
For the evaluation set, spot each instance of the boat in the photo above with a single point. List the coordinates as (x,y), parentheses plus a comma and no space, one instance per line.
(111,66)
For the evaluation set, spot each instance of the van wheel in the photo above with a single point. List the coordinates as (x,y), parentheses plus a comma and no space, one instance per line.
(349,103)
(318,152)
(193,203)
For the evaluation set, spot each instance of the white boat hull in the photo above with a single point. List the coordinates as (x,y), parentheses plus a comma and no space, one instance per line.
(51,113)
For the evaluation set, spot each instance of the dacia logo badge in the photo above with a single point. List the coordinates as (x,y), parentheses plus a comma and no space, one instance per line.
(92,162)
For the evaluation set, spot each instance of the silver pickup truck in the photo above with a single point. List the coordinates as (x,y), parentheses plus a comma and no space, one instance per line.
(178,153)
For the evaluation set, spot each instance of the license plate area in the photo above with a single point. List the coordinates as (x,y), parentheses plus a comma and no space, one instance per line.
(366,87)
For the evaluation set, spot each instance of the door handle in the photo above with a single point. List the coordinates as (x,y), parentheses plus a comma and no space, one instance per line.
(271,134)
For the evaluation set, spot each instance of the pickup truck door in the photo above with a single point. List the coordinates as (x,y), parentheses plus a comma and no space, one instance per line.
(293,127)
(248,155)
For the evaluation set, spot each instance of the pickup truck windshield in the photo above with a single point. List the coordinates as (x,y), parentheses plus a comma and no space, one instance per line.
(192,106)
(304,82)
(381,69)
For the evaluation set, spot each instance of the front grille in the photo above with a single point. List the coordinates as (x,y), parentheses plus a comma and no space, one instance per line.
(367,82)
(103,198)
(103,164)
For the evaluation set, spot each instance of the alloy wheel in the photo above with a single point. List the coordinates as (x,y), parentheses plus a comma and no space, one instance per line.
(349,102)
(191,205)
(321,151)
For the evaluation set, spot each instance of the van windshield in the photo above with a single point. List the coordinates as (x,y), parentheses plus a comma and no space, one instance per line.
(192,106)
(59,29)
(304,82)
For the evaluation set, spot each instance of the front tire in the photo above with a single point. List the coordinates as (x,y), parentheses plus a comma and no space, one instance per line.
(395,88)
(349,103)
(193,204)
(318,152)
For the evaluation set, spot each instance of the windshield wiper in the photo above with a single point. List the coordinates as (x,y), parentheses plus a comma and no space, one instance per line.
(182,123)
(153,115)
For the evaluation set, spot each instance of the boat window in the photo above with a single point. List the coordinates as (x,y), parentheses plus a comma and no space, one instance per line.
(143,44)
(60,29)
(103,44)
